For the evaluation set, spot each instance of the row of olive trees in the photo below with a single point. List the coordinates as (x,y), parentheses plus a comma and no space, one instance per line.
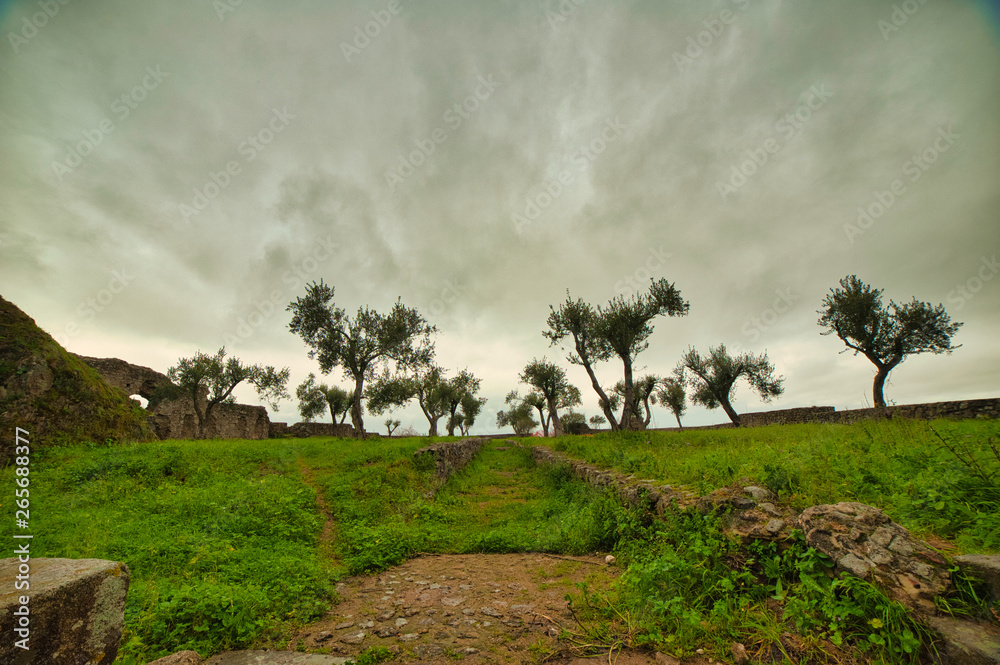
(885,334)
(393,354)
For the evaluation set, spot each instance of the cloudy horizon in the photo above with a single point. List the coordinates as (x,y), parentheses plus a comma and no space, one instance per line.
(175,175)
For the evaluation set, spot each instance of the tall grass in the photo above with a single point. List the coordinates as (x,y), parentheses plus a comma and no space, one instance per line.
(900,466)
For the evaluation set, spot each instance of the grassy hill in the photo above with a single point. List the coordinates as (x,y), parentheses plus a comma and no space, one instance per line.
(53,394)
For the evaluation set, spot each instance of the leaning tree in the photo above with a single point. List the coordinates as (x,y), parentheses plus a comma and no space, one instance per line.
(671,395)
(885,335)
(219,376)
(713,377)
(361,345)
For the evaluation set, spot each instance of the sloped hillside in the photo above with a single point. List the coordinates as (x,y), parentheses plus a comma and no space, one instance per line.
(55,395)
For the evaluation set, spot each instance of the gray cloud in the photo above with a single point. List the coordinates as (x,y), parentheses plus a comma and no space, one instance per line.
(535,89)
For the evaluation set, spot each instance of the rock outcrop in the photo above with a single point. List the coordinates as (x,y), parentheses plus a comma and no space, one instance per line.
(75,611)
(53,394)
(862,541)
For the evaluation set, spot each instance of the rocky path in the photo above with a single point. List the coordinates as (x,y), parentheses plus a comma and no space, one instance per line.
(468,608)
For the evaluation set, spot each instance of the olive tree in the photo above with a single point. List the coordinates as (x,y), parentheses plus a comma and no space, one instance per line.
(550,382)
(671,395)
(362,345)
(517,416)
(621,329)
(315,399)
(219,376)
(885,335)
(713,377)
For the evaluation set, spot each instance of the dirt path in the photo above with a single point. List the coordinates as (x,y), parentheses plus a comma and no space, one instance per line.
(477,608)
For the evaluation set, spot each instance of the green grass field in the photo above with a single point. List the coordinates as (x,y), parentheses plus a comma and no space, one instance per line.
(227,545)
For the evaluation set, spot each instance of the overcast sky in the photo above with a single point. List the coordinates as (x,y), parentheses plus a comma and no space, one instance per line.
(172,174)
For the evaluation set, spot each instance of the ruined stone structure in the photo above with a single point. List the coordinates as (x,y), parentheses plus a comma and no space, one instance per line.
(452,455)
(176,418)
(303,430)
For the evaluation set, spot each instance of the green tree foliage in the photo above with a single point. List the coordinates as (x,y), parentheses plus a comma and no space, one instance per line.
(437,395)
(517,416)
(550,382)
(597,421)
(361,345)
(459,391)
(316,399)
(471,407)
(574,423)
(671,394)
(621,329)
(643,395)
(391,425)
(713,377)
(219,376)
(885,335)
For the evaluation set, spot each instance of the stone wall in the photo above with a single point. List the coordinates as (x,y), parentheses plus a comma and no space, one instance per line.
(806,414)
(451,456)
(303,430)
(176,418)
(960,409)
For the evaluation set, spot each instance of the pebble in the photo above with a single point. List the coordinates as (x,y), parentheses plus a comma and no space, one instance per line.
(409,637)
(452,602)
(401,622)
(353,638)
(343,625)
(468,612)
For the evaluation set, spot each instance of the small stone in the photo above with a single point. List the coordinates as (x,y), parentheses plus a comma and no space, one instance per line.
(769,508)
(385,616)
(353,638)
(759,493)
(366,624)
(434,586)
(774,526)
(490,612)
(323,636)
(739,652)
(468,651)
(464,587)
(468,612)
(522,609)
(385,631)
(467,636)
(409,612)
(609,559)
(343,625)
(401,622)
(408,637)
(452,602)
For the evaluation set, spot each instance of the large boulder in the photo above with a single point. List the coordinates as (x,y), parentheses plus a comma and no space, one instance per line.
(53,394)
(865,543)
(74,612)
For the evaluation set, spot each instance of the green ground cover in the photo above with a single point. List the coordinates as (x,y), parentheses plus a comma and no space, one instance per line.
(227,548)
(941,477)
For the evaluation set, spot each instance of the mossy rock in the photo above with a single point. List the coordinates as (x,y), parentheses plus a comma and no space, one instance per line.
(54,395)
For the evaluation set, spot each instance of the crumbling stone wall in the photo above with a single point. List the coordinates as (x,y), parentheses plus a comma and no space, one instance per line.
(451,456)
(959,409)
(130,379)
(303,430)
(176,418)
